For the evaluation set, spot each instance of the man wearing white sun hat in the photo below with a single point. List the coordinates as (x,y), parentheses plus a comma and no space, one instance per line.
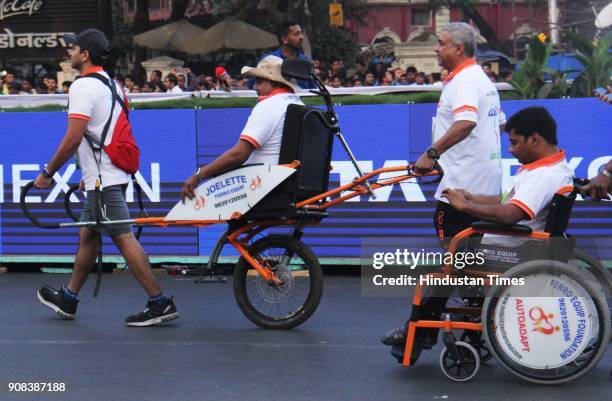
(261,137)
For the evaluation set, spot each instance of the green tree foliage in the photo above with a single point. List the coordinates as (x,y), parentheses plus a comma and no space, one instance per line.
(596,61)
(530,80)
(330,43)
(327,42)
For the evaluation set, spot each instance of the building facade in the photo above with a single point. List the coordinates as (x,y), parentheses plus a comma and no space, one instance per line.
(398,19)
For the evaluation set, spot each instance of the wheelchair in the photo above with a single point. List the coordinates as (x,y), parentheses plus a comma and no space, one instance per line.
(540,315)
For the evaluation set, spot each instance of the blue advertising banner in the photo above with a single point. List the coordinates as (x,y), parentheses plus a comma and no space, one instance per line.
(174,142)
(167,142)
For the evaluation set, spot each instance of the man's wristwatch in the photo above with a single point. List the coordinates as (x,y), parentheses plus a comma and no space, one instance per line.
(432,153)
(46,173)
(606,172)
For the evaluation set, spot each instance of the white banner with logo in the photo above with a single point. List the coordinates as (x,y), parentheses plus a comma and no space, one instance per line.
(234,192)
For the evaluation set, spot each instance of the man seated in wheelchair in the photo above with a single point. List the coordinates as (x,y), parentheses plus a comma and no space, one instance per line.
(260,140)
(532,133)
(544,172)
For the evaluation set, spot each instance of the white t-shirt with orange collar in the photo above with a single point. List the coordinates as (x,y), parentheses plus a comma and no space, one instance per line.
(473,164)
(90,100)
(264,128)
(535,184)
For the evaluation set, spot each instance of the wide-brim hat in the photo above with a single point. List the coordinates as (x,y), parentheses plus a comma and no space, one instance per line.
(270,68)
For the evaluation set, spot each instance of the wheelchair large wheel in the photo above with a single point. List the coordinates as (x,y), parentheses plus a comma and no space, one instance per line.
(552,327)
(593,269)
(289,304)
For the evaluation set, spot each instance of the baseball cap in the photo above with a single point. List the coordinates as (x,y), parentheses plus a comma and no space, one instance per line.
(92,40)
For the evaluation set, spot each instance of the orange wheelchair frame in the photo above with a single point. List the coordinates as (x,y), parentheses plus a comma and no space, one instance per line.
(449,270)
(315,206)
(474,314)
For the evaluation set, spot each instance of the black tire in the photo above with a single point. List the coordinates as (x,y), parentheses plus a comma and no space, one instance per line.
(596,272)
(594,345)
(476,341)
(464,370)
(291,314)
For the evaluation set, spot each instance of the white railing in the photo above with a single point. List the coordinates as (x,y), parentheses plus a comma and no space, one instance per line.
(12,101)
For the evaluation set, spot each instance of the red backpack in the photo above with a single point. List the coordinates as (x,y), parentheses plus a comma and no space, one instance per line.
(122,151)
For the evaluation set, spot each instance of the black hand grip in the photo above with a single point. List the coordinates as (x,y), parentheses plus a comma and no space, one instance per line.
(26,210)
(67,206)
(581,182)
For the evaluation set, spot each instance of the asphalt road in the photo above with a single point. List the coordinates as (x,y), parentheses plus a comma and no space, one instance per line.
(214,353)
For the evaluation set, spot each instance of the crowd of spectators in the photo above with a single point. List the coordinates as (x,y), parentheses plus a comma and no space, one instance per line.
(179,80)
(9,85)
(333,75)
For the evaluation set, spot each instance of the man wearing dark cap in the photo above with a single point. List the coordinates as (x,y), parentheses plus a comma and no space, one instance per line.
(290,36)
(90,112)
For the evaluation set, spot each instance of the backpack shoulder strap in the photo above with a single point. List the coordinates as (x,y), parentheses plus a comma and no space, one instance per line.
(106,82)
(109,84)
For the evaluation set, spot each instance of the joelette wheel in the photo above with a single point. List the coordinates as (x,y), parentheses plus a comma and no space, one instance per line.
(551,329)
(295,299)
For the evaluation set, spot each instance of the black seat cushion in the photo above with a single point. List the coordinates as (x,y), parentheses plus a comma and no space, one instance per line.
(490,226)
(275,205)
(500,258)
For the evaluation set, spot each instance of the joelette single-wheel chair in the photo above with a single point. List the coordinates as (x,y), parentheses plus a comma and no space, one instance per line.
(548,322)
(278,281)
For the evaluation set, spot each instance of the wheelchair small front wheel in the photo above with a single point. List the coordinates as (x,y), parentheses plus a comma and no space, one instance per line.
(295,299)
(460,367)
(475,339)
(550,326)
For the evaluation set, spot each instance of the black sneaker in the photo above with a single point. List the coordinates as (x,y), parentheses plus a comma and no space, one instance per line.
(395,337)
(154,313)
(424,337)
(56,300)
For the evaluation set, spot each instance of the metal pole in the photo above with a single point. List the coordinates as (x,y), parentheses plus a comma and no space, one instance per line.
(553,20)
(514,52)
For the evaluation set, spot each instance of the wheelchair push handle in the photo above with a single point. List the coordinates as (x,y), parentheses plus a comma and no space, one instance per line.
(579,183)
(26,211)
(91,224)
(332,122)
